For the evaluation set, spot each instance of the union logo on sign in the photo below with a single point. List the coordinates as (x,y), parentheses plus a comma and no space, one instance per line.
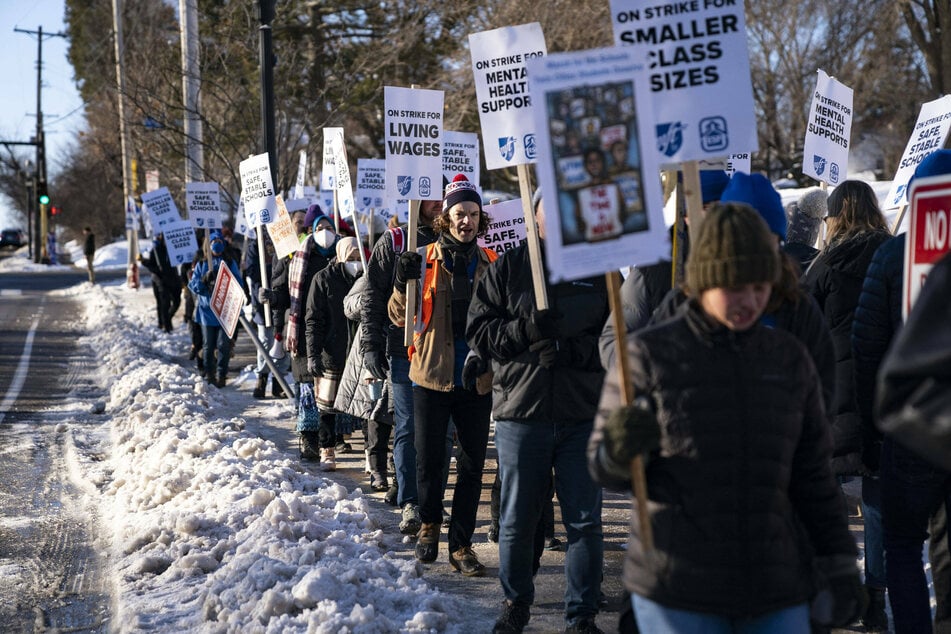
(404,184)
(529,143)
(425,187)
(834,173)
(507,147)
(713,134)
(669,137)
(265,215)
(818,164)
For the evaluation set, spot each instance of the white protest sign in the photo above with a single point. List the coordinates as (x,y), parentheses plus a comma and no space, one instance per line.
(327,171)
(507,228)
(929,134)
(345,204)
(325,198)
(460,155)
(203,201)
(240,220)
(227,299)
(132,214)
(611,216)
(505,106)
(739,163)
(151,180)
(413,142)
(395,208)
(257,190)
(301,171)
(180,242)
(699,74)
(929,234)
(825,151)
(282,231)
(370,190)
(160,208)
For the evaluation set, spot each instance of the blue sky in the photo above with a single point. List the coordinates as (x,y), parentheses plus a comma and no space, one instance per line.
(62,106)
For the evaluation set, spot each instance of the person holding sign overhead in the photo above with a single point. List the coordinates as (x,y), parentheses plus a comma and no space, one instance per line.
(450,380)
(729,415)
(547,380)
(214,337)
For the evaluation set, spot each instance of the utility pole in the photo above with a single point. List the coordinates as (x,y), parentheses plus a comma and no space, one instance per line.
(266,16)
(191,83)
(41,181)
(132,271)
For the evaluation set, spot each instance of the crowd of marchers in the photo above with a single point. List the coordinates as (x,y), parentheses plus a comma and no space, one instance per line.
(763,374)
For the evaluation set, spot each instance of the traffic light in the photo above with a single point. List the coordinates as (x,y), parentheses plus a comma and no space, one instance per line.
(43,195)
(56,210)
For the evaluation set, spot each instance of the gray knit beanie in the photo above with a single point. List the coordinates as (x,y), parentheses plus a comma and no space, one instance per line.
(734,247)
(805,216)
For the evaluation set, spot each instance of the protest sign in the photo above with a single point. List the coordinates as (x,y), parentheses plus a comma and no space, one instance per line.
(505,106)
(301,171)
(507,228)
(240,220)
(929,233)
(345,204)
(413,142)
(161,209)
(698,74)
(825,153)
(738,163)
(327,171)
(180,242)
(132,214)
(151,180)
(371,184)
(297,204)
(603,210)
(203,201)
(460,155)
(227,299)
(282,231)
(929,134)
(257,190)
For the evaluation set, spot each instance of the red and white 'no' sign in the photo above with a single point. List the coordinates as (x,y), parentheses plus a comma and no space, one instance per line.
(929,233)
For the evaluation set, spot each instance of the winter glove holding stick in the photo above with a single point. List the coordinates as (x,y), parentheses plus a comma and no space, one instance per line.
(265,295)
(472,369)
(540,325)
(315,367)
(844,599)
(375,363)
(209,278)
(408,267)
(630,431)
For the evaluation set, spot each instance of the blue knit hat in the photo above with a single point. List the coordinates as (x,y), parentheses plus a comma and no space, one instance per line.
(938,163)
(712,184)
(312,212)
(756,191)
(317,218)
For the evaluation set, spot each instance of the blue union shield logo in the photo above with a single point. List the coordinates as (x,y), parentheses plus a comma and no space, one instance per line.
(507,147)
(670,136)
(404,184)
(818,164)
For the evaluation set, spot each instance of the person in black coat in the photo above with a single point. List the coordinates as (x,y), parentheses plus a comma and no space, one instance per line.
(166,282)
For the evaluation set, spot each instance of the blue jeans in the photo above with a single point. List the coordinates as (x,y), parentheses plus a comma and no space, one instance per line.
(404,431)
(874,533)
(912,489)
(527,454)
(215,337)
(655,618)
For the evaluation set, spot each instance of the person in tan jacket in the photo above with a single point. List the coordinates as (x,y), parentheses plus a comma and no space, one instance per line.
(450,380)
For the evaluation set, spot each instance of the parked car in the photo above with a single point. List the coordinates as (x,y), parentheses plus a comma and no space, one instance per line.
(11,238)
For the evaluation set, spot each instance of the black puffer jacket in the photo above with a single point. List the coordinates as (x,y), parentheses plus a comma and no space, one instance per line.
(742,473)
(328,329)
(835,280)
(877,319)
(522,390)
(641,294)
(380,334)
(281,288)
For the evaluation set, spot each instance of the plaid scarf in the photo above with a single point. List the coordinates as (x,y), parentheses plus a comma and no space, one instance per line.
(297,291)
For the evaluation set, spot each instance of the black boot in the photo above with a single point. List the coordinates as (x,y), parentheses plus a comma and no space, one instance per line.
(276,390)
(875,619)
(261,388)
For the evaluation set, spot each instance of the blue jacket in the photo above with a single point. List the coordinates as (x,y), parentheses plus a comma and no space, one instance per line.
(203,312)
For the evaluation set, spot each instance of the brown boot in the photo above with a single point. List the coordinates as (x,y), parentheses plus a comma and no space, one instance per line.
(465,561)
(427,542)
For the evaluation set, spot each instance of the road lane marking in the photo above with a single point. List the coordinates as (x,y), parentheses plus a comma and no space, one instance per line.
(19,376)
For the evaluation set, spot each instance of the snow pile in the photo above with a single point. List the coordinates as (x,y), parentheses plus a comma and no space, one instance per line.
(214,528)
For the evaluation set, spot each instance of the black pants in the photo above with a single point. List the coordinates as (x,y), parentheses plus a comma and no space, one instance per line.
(378,441)
(470,412)
(940,569)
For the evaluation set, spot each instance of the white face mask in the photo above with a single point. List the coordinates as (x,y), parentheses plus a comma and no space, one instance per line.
(353,268)
(325,238)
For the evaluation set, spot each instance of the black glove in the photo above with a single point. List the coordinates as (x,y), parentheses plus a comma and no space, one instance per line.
(630,431)
(265,295)
(541,325)
(408,267)
(315,367)
(375,363)
(209,278)
(473,368)
(844,598)
(547,351)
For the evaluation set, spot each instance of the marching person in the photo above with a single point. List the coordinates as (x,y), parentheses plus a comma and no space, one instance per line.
(266,335)
(448,378)
(547,381)
(166,282)
(89,250)
(743,502)
(214,337)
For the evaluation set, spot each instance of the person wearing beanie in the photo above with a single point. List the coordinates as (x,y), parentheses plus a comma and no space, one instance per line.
(804,219)
(546,382)
(450,379)
(743,501)
(756,191)
(938,163)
